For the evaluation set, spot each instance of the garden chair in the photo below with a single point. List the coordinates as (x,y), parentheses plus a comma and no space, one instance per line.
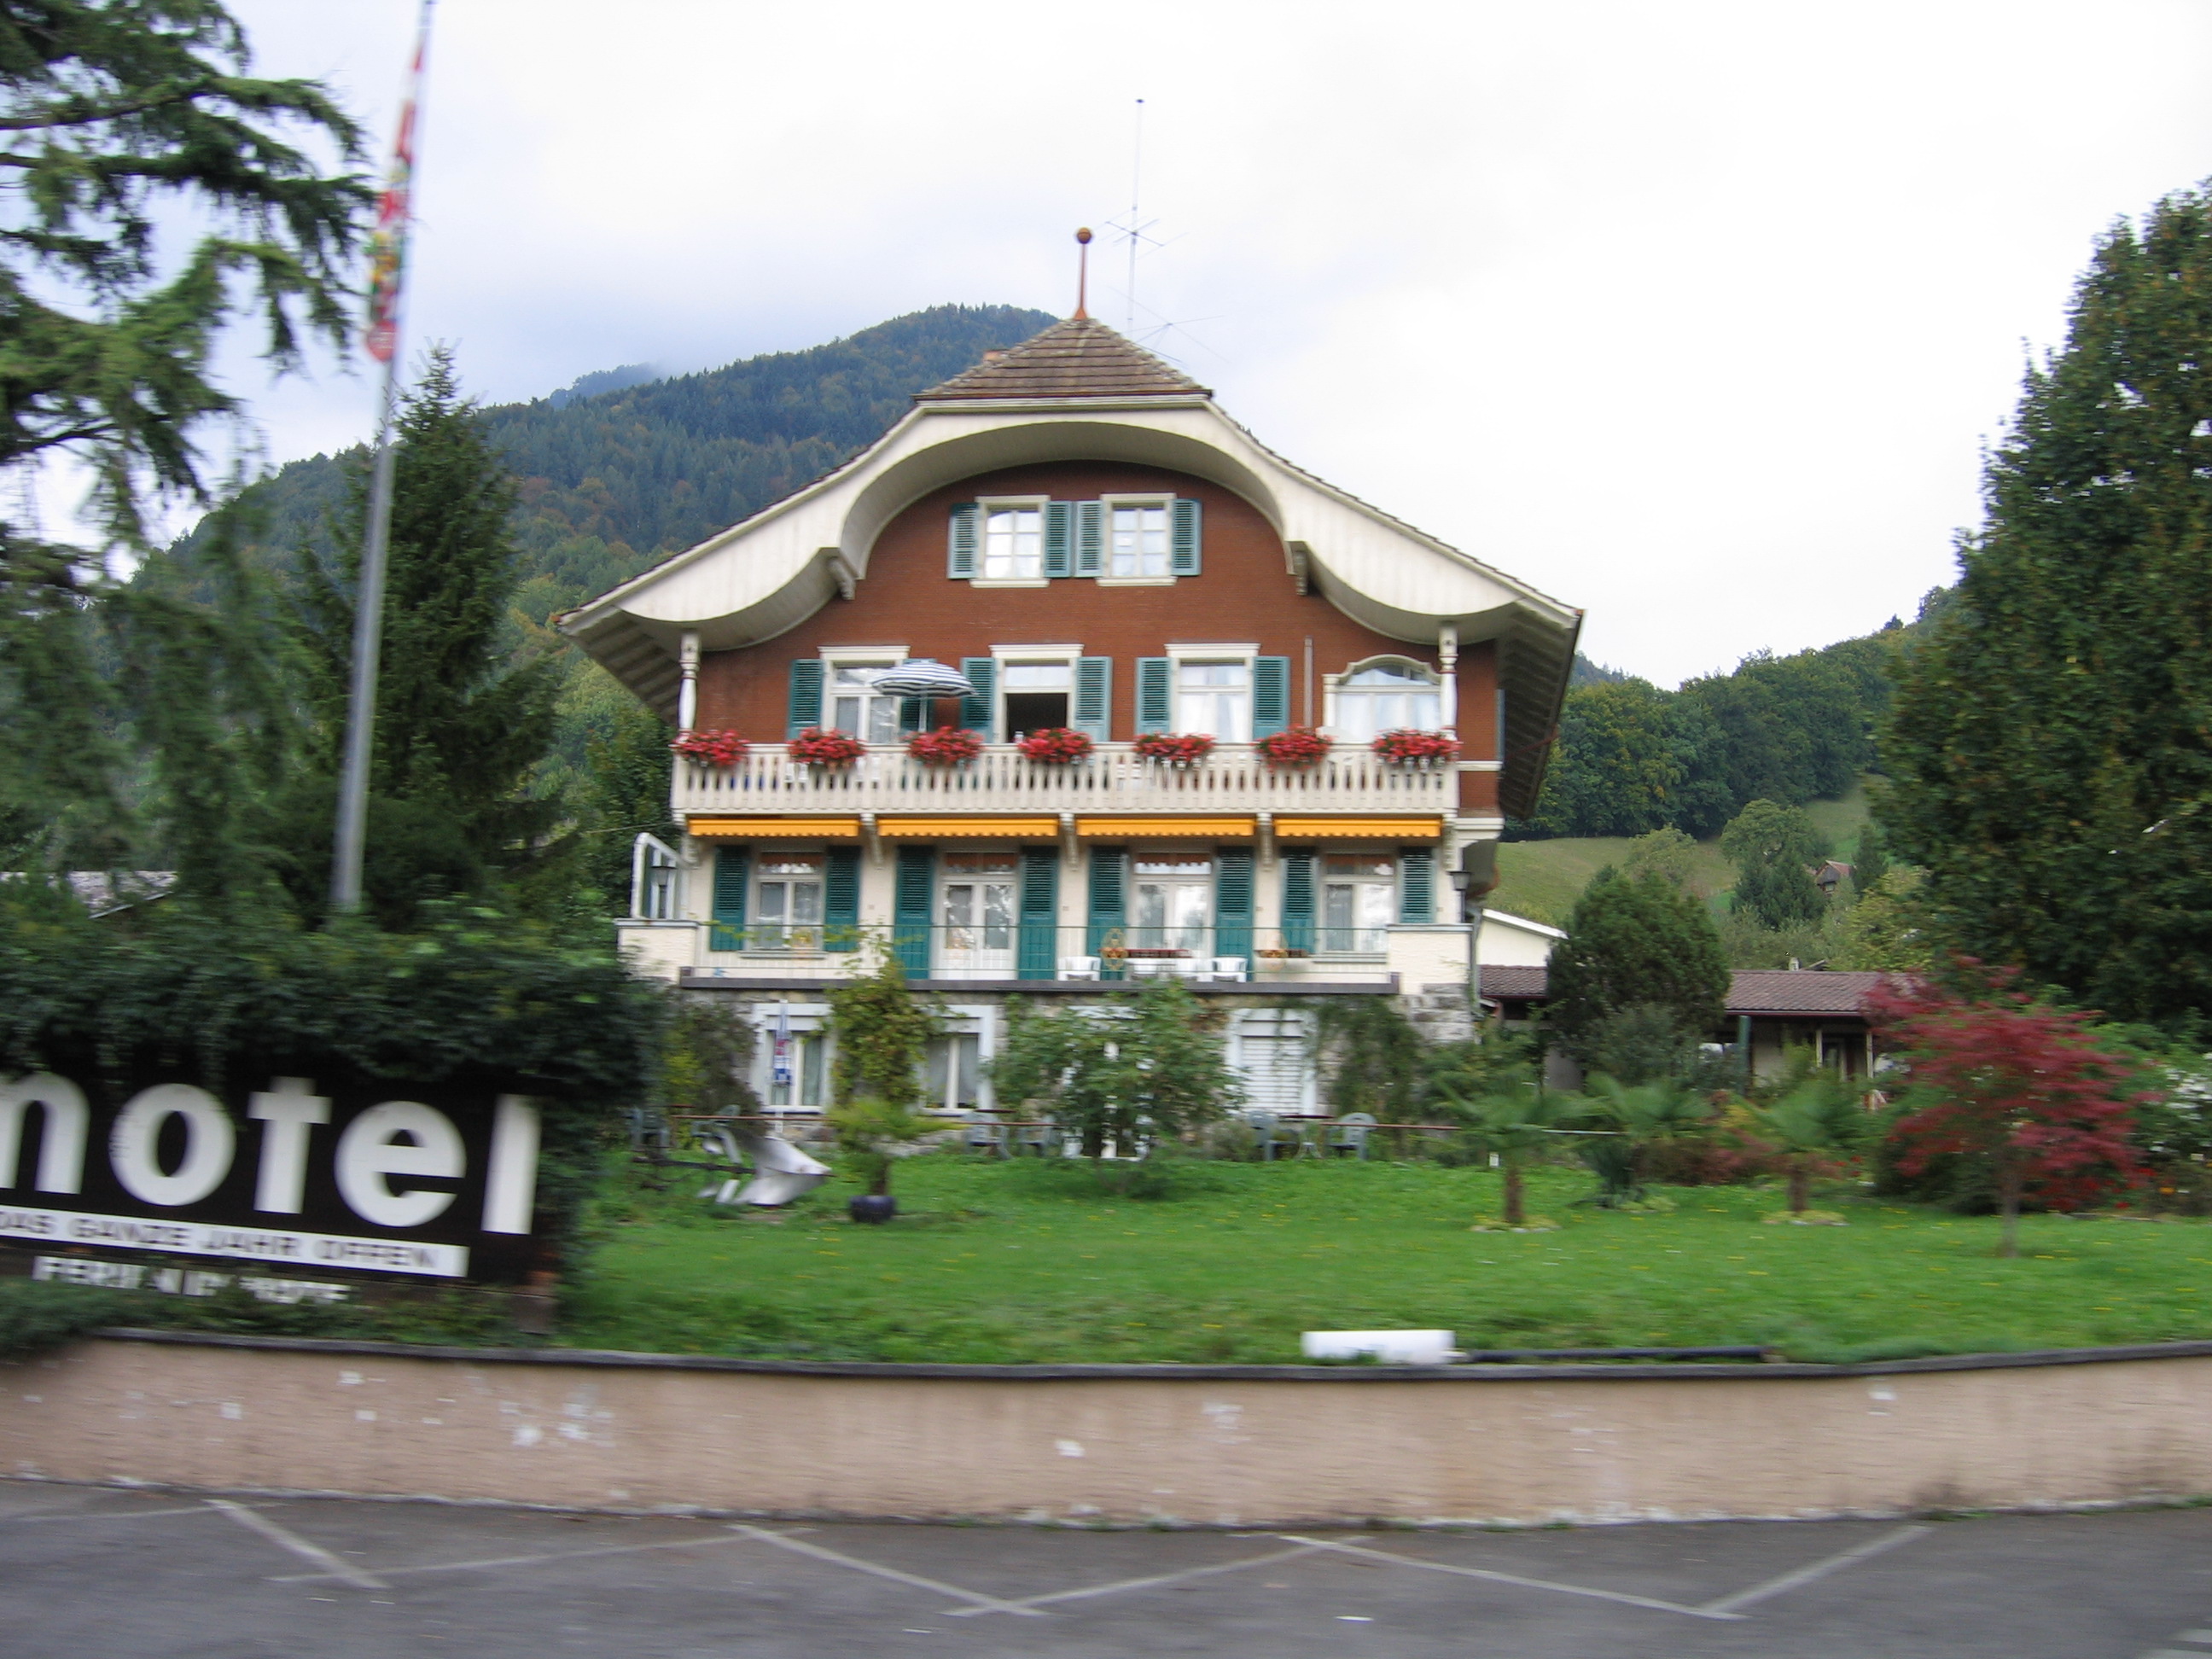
(1349,1133)
(648,1131)
(1230,968)
(1268,1133)
(985,1134)
(1078,968)
(1043,1138)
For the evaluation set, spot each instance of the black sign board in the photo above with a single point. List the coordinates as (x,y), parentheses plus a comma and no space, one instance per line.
(284,1181)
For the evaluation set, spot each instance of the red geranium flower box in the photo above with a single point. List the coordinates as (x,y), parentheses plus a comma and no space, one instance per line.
(946,746)
(1294,746)
(1056,745)
(712,748)
(815,747)
(1176,748)
(1406,745)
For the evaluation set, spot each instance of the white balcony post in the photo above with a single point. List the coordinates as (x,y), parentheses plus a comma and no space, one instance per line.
(687,695)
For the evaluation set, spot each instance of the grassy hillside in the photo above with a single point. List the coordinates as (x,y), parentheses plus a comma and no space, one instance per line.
(1541,879)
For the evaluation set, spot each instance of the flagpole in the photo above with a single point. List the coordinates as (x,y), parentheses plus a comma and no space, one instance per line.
(388,269)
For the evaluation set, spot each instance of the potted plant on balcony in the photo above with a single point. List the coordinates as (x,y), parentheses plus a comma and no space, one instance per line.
(1407,747)
(1056,745)
(816,747)
(711,748)
(1179,749)
(949,745)
(1295,746)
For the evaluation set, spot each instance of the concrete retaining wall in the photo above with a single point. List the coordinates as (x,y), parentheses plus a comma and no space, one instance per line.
(1225,1445)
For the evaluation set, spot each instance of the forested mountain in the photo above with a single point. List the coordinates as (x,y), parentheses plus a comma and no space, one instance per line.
(1633,758)
(614,475)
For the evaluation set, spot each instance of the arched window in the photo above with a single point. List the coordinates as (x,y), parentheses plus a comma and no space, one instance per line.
(1386,694)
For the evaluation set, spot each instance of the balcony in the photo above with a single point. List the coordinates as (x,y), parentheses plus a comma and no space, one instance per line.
(1115,780)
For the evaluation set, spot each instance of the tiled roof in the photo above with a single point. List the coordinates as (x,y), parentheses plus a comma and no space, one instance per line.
(1751,991)
(1079,357)
(1802,991)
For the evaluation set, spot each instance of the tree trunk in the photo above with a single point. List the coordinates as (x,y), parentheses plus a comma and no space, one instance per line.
(880,1182)
(2009,1183)
(1801,1182)
(1516,1214)
(1094,1143)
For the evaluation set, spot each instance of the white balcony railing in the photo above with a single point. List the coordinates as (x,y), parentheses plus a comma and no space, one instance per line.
(1234,778)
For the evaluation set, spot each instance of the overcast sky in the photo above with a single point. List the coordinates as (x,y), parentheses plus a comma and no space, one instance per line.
(1695,315)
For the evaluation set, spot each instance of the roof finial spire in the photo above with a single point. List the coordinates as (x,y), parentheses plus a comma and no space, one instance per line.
(1083,275)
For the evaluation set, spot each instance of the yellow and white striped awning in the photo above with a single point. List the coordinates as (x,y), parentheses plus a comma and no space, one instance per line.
(1219,827)
(1424,828)
(768,828)
(978,827)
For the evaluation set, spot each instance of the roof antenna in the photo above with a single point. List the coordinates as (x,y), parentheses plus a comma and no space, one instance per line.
(1082,277)
(1136,225)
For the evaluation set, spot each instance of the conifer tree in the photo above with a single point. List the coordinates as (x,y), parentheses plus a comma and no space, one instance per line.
(459,730)
(1636,944)
(2052,745)
(1774,849)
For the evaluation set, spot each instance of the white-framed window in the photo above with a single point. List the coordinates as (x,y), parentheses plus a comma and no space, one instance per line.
(1035,695)
(786,900)
(855,707)
(790,1056)
(957,1078)
(978,902)
(1214,695)
(1013,542)
(1138,535)
(1172,908)
(1358,902)
(1389,693)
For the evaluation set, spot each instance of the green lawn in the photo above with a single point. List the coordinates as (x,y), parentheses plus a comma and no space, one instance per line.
(999,1262)
(1541,879)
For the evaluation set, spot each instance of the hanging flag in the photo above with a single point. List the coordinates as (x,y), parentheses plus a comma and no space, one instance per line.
(387,247)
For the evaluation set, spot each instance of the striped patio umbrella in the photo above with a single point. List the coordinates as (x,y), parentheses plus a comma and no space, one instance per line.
(920,677)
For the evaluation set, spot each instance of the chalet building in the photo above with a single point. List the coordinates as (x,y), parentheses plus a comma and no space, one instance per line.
(1084,543)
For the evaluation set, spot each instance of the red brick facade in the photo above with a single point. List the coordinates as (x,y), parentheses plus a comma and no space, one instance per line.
(1245,593)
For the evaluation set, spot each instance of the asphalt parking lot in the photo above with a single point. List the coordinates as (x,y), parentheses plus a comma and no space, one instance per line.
(102,1571)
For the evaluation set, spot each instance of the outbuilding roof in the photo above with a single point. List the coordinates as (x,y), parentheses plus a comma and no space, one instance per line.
(1079,357)
(1775,991)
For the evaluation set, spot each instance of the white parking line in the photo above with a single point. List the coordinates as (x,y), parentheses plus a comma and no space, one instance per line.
(51,1516)
(982,1603)
(1137,1584)
(299,1547)
(519,1560)
(1790,1581)
(1514,1578)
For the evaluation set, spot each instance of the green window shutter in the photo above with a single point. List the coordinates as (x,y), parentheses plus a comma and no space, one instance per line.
(841,900)
(1271,695)
(731,868)
(1093,711)
(1232,903)
(805,708)
(1036,954)
(960,540)
(1090,539)
(976,711)
(912,711)
(1059,539)
(1109,902)
(910,908)
(1184,538)
(1417,884)
(1297,901)
(1155,693)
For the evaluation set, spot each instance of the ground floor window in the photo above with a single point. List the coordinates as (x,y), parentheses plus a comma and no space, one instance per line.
(787,903)
(1358,902)
(1172,908)
(978,903)
(956,1072)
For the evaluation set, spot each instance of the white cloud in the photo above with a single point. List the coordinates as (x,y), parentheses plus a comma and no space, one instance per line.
(1694,316)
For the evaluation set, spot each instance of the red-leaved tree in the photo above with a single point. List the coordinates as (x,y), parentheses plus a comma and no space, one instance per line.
(2015,1085)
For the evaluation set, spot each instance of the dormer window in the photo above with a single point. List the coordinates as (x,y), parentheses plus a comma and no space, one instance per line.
(1013,543)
